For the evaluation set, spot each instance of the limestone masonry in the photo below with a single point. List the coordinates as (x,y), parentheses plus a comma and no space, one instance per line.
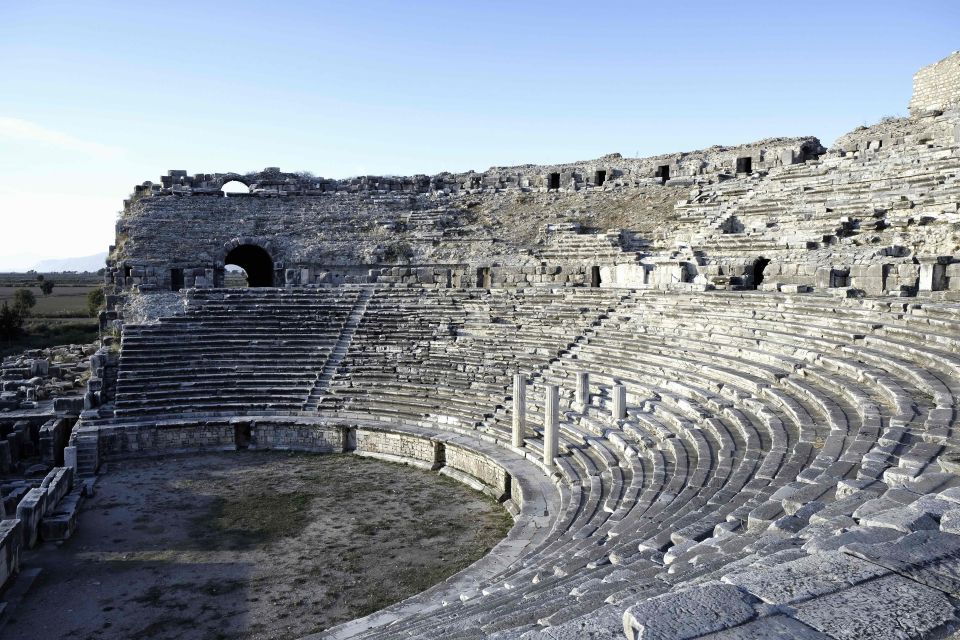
(937,86)
(717,390)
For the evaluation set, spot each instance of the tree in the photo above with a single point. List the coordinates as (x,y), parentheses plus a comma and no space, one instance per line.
(95,301)
(23,302)
(10,322)
(47,287)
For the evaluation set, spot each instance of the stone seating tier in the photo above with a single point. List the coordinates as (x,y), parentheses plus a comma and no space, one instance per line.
(767,439)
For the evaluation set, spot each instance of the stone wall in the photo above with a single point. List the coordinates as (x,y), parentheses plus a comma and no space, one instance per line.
(160,438)
(397,446)
(864,214)
(480,467)
(937,86)
(317,231)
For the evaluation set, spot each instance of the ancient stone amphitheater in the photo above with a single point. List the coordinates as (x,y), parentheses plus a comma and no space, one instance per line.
(718,390)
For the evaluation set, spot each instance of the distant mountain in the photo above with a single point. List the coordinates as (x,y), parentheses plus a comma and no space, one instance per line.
(84,263)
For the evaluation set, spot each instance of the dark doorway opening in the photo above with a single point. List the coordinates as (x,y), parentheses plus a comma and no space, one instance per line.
(745,165)
(256,262)
(553,181)
(663,172)
(594,277)
(599,178)
(758,268)
(176,279)
(484,280)
(241,435)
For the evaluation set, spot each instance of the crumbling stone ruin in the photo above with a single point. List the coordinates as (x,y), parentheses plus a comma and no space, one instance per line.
(717,390)
(41,399)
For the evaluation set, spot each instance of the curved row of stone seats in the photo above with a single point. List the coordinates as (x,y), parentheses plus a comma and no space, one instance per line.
(896,183)
(761,435)
(589,493)
(846,507)
(256,349)
(908,363)
(455,359)
(696,413)
(560,597)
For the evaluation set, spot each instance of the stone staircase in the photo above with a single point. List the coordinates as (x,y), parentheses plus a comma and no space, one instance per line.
(320,387)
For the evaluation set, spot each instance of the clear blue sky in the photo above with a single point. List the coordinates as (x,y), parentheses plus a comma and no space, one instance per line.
(99,96)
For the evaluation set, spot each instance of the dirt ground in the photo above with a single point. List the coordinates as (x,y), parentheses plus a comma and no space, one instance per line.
(251,545)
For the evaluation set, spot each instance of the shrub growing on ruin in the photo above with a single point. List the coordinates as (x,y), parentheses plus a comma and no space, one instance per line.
(95,301)
(398,251)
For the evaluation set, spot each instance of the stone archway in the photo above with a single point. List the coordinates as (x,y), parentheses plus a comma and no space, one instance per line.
(255,261)
(758,269)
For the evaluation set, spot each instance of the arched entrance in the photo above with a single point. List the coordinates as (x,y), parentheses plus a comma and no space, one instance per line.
(255,261)
(234,186)
(758,268)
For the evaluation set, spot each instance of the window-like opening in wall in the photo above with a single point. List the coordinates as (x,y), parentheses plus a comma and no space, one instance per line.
(599,178)
(744,165)
(234,186)
(554,181)
(663,172)
(758,268)
(255,262)
(176,279)
(126,271)
(594,277)
(241,435)
(484,281)
(233,278)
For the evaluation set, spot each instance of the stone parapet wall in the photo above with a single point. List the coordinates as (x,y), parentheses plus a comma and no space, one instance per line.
(186,436)
(397,446)
(937,86)
(478,466)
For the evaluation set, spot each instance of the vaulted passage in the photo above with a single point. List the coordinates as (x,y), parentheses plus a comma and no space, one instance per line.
(255,261)
(758,268)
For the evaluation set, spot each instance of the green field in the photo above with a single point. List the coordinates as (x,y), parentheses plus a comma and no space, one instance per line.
(58,318)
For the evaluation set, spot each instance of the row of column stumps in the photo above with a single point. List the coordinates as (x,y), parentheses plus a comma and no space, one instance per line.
(551,413)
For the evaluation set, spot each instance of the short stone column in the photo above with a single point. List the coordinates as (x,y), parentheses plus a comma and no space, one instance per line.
(619,393)
(519,408)
(551,423)
(583,388)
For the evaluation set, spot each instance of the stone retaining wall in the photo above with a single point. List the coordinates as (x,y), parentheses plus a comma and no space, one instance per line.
(480,467)
(397,445)
(134,440)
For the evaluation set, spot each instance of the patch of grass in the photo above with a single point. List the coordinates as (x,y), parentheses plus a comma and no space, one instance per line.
(252,520)
(63,302)
(371,528)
